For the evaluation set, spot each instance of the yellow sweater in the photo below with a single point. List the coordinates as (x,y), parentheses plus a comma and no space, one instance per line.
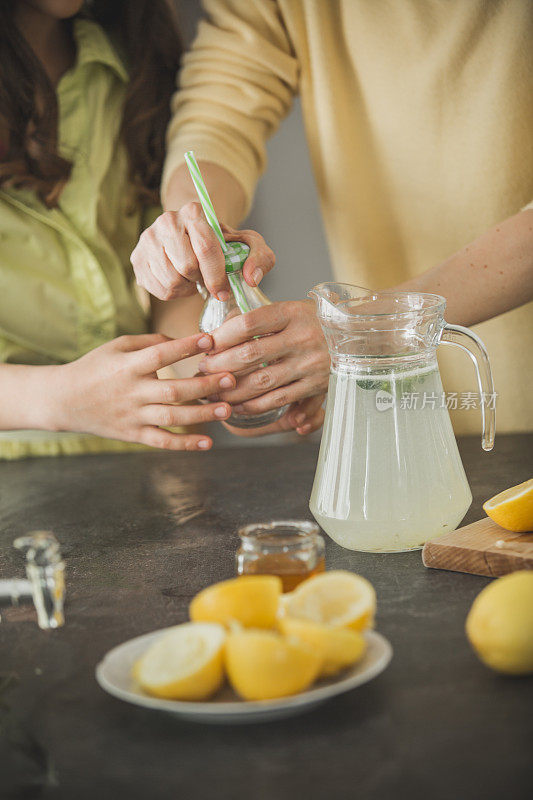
(419,121)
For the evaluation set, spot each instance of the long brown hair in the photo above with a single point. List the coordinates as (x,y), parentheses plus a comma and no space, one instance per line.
(146,34)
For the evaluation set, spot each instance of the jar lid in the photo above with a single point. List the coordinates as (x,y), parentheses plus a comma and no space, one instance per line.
(236,256)
(282,535)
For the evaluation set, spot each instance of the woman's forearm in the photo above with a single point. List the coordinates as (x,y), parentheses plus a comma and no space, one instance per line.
(179,317)
(30,397)
(176,319)
(490,276)
(226,193)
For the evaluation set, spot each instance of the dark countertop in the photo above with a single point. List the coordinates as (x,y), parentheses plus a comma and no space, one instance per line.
(141,534)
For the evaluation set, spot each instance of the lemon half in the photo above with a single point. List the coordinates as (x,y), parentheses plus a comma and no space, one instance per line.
(339,648)
(513,508)
(186,663)
(336,598)
(263,665)
(252,600)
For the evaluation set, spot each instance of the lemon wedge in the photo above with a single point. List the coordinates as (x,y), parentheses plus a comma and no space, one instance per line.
(499,625)
(336,598)
(263,665)
(252,600)
(513,508)
(339,648)
(186,663)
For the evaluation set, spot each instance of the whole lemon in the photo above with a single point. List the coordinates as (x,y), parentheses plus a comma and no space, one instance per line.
(499,625)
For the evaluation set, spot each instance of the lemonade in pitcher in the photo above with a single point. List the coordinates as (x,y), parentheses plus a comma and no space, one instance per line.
(389,475)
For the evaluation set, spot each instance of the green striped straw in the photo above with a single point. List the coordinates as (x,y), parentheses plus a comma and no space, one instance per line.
(209,211)
(205,200)
(238,293)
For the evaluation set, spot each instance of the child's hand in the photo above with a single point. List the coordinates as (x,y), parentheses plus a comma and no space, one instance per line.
(113,391)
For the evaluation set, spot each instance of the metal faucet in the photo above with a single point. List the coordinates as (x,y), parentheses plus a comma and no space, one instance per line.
(45,581)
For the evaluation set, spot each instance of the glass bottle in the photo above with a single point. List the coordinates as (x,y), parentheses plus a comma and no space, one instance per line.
(243,298)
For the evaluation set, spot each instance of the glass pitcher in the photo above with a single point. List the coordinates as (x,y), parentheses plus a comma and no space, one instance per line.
(389,475)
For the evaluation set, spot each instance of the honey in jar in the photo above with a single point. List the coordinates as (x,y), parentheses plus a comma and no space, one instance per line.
(291,549)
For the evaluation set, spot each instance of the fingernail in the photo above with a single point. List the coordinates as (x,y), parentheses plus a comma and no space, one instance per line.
(239,409)
(223,296)
(202,366)
(257,275)
(204,343)
(299,418)
(203,444)
(226,383)
(221,412)
(303,430)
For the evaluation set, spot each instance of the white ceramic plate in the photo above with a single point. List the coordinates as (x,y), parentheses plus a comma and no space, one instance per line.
(113,674)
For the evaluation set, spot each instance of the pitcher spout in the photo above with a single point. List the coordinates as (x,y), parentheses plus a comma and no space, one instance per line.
(333,301)
(362,322)
(324,293)
(324,299)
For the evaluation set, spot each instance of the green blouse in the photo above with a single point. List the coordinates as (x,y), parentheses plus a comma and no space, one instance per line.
(66,283)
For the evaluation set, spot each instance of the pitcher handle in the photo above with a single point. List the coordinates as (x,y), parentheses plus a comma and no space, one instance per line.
(470,342)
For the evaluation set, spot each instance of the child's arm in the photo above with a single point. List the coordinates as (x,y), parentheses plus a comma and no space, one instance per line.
(28,397)
(490,276)
(113,391)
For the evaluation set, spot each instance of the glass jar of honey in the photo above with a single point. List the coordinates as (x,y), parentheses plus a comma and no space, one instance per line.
(292,549)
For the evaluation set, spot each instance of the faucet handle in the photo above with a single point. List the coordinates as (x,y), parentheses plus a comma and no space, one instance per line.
(45,570)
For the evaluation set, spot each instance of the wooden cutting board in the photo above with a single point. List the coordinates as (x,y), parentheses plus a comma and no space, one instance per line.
(482,548)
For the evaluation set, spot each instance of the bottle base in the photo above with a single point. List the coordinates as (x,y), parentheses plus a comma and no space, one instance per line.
(247,421)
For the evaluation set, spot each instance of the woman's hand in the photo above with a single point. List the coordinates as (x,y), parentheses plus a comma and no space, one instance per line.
(113,391)
(180,249)
(288,365)
(304,417)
